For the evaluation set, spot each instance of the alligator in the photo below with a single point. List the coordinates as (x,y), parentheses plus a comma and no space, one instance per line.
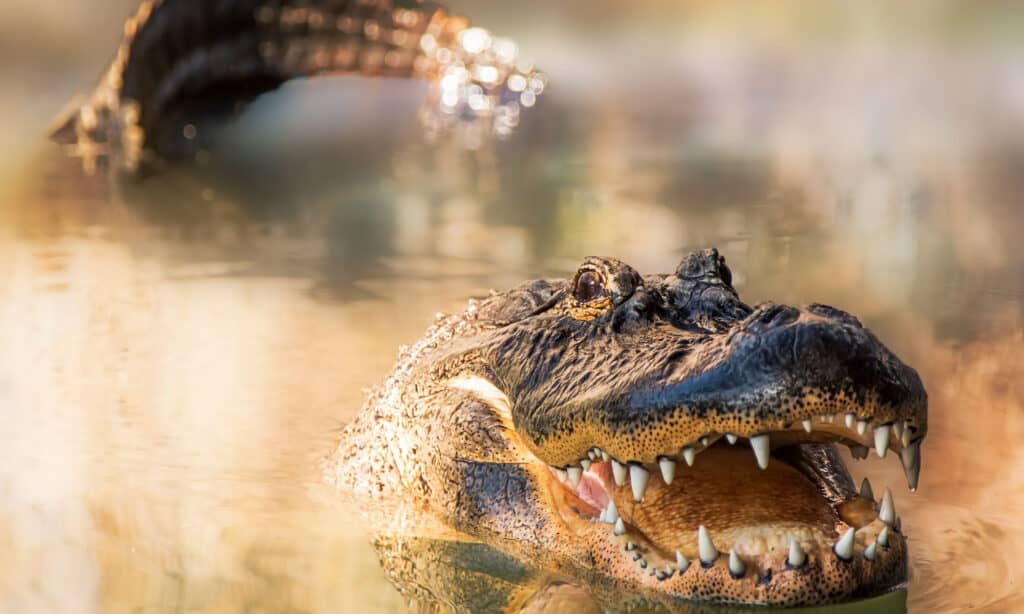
(184,67)
(651,435)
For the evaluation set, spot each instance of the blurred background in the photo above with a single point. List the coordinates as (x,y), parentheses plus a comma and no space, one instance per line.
(178,350)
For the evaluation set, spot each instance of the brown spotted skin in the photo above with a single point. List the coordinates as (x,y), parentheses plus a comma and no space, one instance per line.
(640,367)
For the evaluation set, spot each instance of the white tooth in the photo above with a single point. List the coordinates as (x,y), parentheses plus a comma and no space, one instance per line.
(797,556)
(638,477)
(830,418)
(883,536)
(897,429)
(585,463)
(865,490)
(575,473)
(807,425)
(688,455)
(591,454)
(911,457)
(704,441)
(762,449)
(869,552)
(681,562)
(736,567)
(620,527)
(858,452)
(862,425)
(604,515)
(882,441)
(611,513)
(849,420)
(905,438)
(887,509)
(619,471)
(706,550)
(562,475)
(668,469)
(731,438)
(844,547)
(604,456)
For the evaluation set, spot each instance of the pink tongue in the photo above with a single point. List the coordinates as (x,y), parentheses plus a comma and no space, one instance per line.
(591,489)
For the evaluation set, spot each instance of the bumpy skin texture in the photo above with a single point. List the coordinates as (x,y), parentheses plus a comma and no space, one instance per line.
(196,62)
(641,366)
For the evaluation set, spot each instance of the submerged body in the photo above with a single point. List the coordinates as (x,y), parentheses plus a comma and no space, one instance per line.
(650,436)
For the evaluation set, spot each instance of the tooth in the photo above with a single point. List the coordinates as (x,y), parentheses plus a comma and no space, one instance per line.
(575,473)
(638,477)
(668,469)
(585,463)
(643,563)
(604,456)
(704,441)
(619,471)
(849,420)
(865,490)
(591,454)
(681,562)
(905,438)
(688,455)
(630,546)
(882,441)
(844,546)
(562,475)
(731,438)
(620,527)
(830,418)
(797,556)
(858,452)
(887,510)
(611,515)
(862,425)
(883,536)
(807,425)
(869,552)
(706,551)
(736,567)
(911,457)
(897,429)
(762,449)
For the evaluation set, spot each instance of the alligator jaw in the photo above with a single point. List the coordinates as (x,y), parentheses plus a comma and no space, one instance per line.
(771,518)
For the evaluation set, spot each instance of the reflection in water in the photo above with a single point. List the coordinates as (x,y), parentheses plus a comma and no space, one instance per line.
(178,352)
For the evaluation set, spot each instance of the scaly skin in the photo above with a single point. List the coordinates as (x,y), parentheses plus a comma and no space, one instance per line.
(480,416)
(185,65)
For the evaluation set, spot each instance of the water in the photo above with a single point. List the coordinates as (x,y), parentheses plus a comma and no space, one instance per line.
(178,352)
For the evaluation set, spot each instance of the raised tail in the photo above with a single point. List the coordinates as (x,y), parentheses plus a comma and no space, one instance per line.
(183,62)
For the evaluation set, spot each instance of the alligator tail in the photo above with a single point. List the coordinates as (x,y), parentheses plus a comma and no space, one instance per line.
(185,61)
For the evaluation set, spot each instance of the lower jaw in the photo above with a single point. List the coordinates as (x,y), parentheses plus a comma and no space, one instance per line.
(752,519)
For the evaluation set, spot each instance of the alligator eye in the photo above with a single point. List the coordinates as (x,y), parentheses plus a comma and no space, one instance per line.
(588,286)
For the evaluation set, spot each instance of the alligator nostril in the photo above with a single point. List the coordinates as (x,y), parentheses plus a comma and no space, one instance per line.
(774,316)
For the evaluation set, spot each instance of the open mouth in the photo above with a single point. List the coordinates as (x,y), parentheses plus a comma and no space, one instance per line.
(775,513)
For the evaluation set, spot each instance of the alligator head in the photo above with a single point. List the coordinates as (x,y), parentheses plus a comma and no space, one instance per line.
(653,434)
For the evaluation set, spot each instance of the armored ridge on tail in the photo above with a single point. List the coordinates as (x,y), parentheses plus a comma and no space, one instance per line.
(184,65)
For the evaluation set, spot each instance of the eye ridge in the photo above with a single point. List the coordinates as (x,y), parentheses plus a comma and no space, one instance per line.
(588,286)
